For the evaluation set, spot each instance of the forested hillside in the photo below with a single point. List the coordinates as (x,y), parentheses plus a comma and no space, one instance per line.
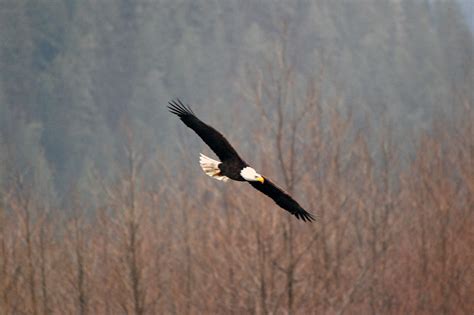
(364,110)
(72,71)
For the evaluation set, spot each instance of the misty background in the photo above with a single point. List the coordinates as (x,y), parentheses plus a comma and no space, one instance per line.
(363,110)
(72,71)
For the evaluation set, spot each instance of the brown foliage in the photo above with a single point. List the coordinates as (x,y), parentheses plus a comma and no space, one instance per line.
(391,238)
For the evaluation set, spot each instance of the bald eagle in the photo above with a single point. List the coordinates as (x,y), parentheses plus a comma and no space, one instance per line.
(231,164)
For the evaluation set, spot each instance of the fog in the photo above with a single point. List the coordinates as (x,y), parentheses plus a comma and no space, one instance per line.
(73,70)
(371,97)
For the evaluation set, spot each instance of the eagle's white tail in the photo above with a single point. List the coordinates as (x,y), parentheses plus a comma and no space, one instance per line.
(211,168)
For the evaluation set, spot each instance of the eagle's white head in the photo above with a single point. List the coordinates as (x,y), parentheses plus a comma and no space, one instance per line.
(249,174)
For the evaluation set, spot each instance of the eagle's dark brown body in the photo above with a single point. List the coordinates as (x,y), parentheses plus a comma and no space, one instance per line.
(232,168)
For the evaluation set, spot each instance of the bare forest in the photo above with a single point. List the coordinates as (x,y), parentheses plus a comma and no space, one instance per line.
(362,110)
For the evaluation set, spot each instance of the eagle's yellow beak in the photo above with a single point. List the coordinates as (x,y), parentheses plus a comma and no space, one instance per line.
(260,179)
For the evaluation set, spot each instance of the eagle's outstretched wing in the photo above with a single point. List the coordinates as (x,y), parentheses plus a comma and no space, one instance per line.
(282,199)
(213,138)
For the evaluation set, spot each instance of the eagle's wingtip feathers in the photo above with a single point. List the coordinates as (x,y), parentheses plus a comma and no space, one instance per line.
(178,108)
(305,216)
